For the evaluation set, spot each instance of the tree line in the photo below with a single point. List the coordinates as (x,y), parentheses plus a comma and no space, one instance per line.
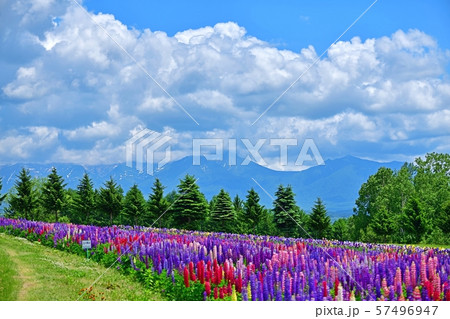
(411,205)
(48,199)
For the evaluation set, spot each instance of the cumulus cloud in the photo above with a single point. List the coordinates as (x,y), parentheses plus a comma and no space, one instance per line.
(375,98)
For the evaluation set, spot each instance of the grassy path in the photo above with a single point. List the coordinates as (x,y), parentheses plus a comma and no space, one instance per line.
(29,271)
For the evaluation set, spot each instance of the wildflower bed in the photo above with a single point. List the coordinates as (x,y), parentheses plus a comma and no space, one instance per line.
(190,265)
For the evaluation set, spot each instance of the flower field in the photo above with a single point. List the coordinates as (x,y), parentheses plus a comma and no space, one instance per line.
(209,266)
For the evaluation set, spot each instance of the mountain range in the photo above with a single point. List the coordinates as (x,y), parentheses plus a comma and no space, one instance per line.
(337,182)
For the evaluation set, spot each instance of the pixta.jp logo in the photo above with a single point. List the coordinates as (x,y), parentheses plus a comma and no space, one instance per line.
(144,145)
(141,149)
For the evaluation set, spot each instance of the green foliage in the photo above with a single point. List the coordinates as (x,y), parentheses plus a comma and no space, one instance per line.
(53,194)
(172,287)
(83,204)
(134,207)
(383,225)
(23,202)
(2,197)
(252,213)
(190,209)
(415,223)
(223,217)
(109,202)
(319,221)
(157,205)
(288,218)
(404,206)
(340,229)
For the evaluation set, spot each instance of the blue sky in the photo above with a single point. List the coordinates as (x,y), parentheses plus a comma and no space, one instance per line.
(287,24)
(68,93)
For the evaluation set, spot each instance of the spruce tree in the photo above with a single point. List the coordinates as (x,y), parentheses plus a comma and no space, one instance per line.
(238,206)
(157,205)
(287,215)
(319,221)
(83,207)
(110,201)
(2,197)
(53,194)
(223,216)
(253,212)
(23,202)
(133,209)
(190,209)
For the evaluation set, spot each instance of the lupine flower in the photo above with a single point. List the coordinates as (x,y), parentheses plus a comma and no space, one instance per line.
(186,277)
(264,268)
(413,274)
(207,288)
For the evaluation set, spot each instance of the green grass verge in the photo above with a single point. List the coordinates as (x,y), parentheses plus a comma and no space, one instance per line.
(30,271)
(9,282)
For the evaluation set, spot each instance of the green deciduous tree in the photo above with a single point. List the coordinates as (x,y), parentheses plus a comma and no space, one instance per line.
(383,224)
(223,217)
(369,201)
(109,202)
(319,221)
(340,229)
(415,222)
(190,209)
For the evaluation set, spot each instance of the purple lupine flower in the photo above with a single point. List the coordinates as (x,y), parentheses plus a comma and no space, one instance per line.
(279,296)
(287,289)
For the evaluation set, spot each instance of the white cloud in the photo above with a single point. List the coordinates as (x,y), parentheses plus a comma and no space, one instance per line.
(390,91)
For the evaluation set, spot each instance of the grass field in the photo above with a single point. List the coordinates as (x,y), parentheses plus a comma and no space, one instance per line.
(29,271)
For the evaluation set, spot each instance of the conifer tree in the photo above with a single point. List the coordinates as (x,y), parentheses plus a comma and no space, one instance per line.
(53,194)
(287,215)
(23,202)
(157,205)
(223,217)
(2,197)
(190,209)
(84,201)
(110,201)
(319,221)
(253,211)
(134,207)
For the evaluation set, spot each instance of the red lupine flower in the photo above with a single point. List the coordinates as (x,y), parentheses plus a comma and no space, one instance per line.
(436,296)
(229,289)
(186,277)
(216,293)
(336,285)
(201,271)
(447,295)
(207,288)
(325,291)
(221,292)
(191,272)
(239,283)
